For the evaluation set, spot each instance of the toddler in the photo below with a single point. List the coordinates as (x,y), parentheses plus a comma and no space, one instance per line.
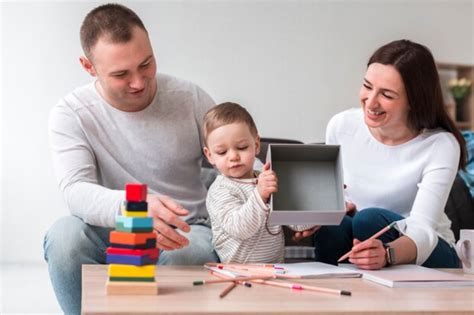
(237,200)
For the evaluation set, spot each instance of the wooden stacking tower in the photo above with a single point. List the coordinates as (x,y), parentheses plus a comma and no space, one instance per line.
(132,254)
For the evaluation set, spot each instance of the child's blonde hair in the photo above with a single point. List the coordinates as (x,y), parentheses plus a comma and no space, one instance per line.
(224,114)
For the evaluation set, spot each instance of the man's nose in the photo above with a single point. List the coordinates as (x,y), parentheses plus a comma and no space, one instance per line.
(137,82)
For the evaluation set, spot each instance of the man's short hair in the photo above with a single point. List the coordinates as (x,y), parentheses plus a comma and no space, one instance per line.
(225,114)
(112,20)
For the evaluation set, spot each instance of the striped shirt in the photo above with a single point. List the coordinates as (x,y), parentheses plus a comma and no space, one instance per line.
(238,218)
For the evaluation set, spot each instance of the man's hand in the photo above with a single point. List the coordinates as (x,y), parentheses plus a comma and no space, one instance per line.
(267,182)
(298,236)
(369,254)
(165,213)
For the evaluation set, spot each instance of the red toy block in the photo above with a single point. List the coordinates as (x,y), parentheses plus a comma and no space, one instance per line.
(135,192)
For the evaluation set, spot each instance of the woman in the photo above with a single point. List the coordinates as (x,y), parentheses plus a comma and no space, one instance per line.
(401,153)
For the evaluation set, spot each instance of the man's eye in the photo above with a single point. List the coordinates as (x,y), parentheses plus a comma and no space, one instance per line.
(119,75)
(145,65)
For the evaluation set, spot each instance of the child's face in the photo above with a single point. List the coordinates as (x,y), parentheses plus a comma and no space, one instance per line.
(232,149)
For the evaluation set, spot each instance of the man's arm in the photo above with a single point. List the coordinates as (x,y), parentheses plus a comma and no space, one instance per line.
(75,167)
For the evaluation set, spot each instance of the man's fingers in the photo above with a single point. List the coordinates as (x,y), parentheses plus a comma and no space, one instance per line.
(168,236)
(173,205)
(172,219)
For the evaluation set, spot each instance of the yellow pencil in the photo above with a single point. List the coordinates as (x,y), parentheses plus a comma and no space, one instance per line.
(385,229)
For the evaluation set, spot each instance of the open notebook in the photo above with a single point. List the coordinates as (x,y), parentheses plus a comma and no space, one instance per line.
(313,270)
(305,270)
(401,276)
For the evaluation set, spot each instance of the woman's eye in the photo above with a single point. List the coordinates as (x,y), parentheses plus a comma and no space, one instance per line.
(368,87)
(389,96)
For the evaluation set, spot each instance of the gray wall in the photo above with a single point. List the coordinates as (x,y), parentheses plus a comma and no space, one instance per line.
(293,64)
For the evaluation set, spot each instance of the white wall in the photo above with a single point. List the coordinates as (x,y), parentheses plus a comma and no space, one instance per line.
(293,64)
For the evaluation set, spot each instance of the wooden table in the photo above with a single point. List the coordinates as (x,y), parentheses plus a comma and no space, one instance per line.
(177,295)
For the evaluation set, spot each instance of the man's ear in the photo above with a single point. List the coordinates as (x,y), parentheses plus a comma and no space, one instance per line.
(87,65)
(208,155)
(257,145)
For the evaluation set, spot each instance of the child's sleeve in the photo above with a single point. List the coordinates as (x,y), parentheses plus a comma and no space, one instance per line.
(232,214)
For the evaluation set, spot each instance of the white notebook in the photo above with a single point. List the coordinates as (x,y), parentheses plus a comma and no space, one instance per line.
(414,276)
(313,270)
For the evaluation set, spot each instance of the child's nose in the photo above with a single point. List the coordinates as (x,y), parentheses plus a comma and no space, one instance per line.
(234,155)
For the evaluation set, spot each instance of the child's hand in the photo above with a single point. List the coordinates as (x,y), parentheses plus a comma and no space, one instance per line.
(267,182)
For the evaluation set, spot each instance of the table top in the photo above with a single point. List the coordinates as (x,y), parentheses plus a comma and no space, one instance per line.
(177,295)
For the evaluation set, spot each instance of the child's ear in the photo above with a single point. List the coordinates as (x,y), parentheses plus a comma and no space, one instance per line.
(207,153)
(257,145)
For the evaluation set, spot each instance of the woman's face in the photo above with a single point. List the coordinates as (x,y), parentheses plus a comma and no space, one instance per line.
(383,99)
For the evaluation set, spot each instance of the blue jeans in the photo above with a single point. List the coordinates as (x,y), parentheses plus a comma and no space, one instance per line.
(70,243)
(331,242)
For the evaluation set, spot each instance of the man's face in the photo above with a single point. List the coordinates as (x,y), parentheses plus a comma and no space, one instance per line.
(125,71)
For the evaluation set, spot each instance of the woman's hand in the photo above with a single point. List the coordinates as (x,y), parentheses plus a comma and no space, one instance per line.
(351,209)
(165,213)
(369,254)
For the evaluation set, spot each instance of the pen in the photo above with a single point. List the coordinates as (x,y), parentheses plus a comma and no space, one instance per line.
(385,229)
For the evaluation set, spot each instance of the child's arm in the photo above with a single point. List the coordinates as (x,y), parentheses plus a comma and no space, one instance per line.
(230,212)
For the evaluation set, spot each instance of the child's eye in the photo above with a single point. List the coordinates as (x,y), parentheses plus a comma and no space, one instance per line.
(243,148)
(221,152)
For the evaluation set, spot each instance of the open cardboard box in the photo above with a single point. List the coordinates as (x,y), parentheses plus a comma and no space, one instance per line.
(310,184)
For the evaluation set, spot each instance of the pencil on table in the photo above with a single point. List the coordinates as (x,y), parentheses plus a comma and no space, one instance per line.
(218,275)
(227,290)
(296,286)
(382,231)
(201,282)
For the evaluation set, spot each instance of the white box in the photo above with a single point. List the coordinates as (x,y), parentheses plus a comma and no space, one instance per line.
(310,184)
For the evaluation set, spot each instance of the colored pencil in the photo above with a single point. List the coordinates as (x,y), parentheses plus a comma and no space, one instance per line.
(201,282)
(244,283)
(227,290)
(382,231)
(297,286)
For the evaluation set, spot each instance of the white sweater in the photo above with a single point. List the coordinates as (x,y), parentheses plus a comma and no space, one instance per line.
(412,179)
(97,149)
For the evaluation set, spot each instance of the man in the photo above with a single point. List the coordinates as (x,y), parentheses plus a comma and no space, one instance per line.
(129,125)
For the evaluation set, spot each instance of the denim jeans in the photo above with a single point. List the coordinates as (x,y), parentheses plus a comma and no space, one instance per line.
(331,242)
(71,242)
